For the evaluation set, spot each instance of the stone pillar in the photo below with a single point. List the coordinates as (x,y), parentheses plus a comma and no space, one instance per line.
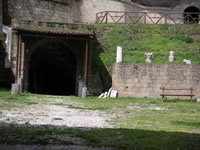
(119,54)
(171,57)
(80,87)
(8,31)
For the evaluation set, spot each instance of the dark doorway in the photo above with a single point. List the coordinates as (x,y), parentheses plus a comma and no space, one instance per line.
(191,15)
(52,70)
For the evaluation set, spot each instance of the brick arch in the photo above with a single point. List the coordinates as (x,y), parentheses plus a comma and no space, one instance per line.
(191,15)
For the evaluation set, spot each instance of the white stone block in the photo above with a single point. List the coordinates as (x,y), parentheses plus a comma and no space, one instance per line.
(113,94)
(105,94)
(187,61)
(102,95)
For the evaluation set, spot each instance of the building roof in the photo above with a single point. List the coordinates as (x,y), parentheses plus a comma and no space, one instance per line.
(54,31)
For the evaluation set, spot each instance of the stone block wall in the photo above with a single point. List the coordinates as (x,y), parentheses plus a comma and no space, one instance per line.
(41,10)
(145,80)
(79,11)
(82,11)
(6,76)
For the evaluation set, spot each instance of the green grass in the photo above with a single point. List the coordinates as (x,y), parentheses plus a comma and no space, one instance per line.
(139,39)
(6,95)
(86,108)
(116,138)
(139,123)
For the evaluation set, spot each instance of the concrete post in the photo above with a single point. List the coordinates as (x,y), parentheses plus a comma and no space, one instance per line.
(20,83)
(15,89)
(80,87)
(119,54)
(84,92)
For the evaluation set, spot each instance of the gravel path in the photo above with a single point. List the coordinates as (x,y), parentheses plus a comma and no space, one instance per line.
(57,113)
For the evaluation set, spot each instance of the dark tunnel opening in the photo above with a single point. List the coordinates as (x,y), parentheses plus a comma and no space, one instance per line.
(52,70)
(191,15)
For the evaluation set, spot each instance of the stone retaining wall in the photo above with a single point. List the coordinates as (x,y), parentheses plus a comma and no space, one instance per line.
(81,11)
(41,10)
(145,80)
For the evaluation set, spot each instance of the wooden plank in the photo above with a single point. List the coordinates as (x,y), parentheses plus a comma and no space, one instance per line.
(176,95)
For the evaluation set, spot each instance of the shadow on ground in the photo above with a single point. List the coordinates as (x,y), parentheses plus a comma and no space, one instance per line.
(27,134)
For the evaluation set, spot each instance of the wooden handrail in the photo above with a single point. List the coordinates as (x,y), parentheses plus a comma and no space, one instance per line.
(158,18)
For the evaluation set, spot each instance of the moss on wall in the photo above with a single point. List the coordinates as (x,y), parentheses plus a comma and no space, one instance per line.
(2,47)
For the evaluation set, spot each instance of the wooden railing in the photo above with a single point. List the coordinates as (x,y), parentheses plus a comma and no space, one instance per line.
(118,17)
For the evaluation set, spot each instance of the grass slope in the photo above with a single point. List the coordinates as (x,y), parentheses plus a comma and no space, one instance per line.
(136,40)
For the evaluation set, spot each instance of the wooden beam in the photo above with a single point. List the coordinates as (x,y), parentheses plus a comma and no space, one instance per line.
(17,60)
(86,62)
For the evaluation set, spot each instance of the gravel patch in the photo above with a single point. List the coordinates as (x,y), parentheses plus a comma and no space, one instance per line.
(46,113)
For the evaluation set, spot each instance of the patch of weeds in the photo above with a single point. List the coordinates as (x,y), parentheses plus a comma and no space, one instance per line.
(198,49)
(58,118)
(135,48)
(87,108)
(27,123)
(182,37)
(185,123)
(66,143)
(60,104)
(152,102)
(30,103)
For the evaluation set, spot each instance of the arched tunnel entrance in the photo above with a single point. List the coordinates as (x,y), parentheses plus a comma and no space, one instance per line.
(191,15)
(52,70)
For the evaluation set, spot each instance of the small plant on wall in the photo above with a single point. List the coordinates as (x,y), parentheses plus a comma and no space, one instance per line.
(2,44)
